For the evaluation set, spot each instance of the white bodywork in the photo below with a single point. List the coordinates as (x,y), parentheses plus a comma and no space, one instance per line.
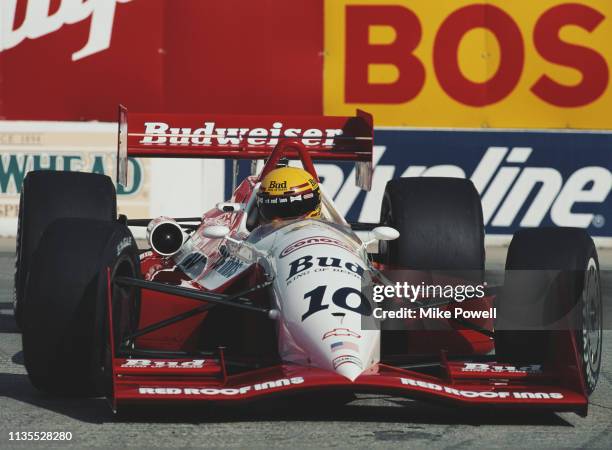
(319,269)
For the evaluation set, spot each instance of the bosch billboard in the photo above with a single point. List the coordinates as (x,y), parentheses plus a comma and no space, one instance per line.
(461,63)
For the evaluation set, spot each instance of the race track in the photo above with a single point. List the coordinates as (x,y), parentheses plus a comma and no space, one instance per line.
(366,422)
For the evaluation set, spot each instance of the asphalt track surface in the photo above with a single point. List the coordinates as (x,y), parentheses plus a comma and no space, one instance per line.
(370,421)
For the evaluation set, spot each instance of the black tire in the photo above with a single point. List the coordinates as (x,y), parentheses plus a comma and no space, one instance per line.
(65,337)
(440,224)
(551,281)
(50,195)
(441,229)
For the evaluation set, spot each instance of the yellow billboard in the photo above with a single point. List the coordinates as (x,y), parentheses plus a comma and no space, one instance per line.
(465,63)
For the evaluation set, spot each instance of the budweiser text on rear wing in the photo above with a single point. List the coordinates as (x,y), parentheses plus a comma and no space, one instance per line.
(162,133)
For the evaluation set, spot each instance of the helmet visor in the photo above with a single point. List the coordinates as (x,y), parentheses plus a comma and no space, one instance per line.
(288,206)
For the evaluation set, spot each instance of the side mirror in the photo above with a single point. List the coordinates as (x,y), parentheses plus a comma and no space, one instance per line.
(215,231)
(230,206)
(381,234)
(385,233)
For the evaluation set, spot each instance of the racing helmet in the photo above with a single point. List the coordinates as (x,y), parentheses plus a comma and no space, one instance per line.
(289,193)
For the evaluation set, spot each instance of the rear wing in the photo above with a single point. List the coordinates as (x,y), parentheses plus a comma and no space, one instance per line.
(244,137)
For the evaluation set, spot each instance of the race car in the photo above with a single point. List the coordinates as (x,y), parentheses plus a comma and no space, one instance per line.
(273,292)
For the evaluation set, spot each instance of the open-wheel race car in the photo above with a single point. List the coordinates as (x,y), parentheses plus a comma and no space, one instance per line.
(270,292)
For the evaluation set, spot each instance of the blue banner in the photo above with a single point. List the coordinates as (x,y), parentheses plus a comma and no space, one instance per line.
(525,179)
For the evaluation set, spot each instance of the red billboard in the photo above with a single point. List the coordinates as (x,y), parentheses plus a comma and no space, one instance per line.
(76,60)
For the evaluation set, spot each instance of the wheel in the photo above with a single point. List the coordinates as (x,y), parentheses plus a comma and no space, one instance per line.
(552,281)
(441,228)
(47,196)
(65,331)
(440,225)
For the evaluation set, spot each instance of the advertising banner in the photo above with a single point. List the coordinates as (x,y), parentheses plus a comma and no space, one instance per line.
(69,147)
(462,63)
(525,179)
(76,60)
(448,63)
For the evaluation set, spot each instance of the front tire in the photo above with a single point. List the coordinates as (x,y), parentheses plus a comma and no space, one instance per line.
(552,276)
(47,196)
(65,319)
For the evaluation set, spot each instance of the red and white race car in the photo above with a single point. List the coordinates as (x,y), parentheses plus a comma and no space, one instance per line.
(225,308)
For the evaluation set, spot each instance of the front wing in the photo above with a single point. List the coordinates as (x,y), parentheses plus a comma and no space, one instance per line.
(465,383)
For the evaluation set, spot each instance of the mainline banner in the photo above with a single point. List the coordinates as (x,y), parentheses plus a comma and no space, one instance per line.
(525,179)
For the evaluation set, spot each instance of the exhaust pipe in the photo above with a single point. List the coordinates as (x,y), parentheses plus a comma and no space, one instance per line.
(165,236)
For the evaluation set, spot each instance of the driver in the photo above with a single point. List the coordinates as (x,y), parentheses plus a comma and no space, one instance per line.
(289,193)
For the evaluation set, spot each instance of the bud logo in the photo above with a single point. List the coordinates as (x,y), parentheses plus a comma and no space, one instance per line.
(162,364)
(39,23)
(157,133)
(275,185)
(493,368)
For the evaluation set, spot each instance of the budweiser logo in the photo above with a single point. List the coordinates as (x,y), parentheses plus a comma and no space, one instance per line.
(38,22)
(163,133)
(275,185)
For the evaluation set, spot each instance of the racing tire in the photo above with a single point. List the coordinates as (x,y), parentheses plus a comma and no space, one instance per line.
(551,281)
(65,330)
(440,224)
(441,228)
(49,195)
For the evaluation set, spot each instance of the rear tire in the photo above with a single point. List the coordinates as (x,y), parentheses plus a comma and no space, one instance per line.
(552,274)
(440,224)
(65,338)
(441,229)
(50,195)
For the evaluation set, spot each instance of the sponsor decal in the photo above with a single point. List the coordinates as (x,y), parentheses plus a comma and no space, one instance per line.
(226,265)
(538,64)
(38,22)
(343,345)
(304,263)
(145,255)
(346,359)
(163,133)
(160,364)
(340,332)
(493,368)
(285,199)
(482,394)
(197,391)
(314,240)
(278,186)
(193,263)
(123,244)
(229,267)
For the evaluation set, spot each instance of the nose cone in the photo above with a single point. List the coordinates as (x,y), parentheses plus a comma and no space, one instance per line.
(348,366)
